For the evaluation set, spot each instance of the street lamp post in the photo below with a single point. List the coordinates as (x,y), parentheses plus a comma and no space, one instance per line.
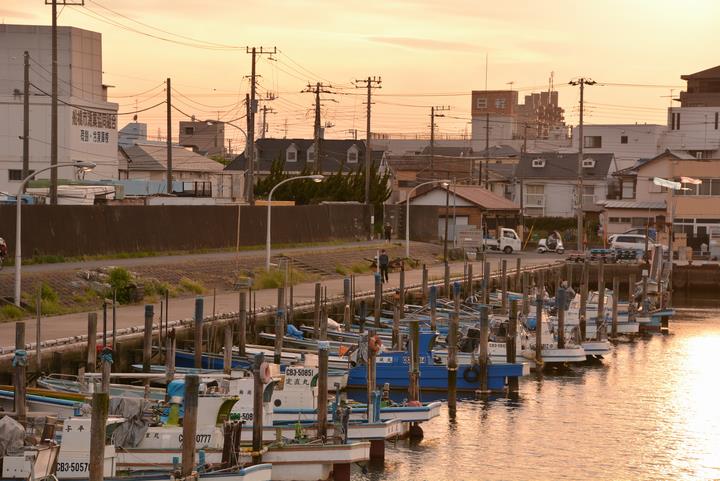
(18,219)
(316,178)
(444,183)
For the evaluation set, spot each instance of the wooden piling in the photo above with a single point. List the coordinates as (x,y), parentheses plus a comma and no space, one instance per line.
(279,325)
(433,308)
(91,358)
(569,268)
(323,322)
(198,331)
(452,346)
(401,309)
(322,399)
(540,287)
(258,387)
(484,357)
(631,288)
(363,314)
(98,421)
(486,284)
(227,349)
(511,344)
(20,365)
(560,302)
(469,287)
(147,338)
(316,317)
(526,293)
(190,403)
(371,374)
(504,286)
(106,367)
(447,279)
(170,356)
(38,335)
(616,294)
(424,284)
(600,318)
(414,374)
(242,321)
(378,298)
(291,304)
(582,314)
(347,316)
(518,274)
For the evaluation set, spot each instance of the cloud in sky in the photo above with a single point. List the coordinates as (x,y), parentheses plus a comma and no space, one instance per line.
(423,43)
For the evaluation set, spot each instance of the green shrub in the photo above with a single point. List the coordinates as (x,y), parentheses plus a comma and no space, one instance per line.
(276,278)
(341,269)
(47,293)
(10,312)
(360,267)
(121,282)
(154,287)
(189,285)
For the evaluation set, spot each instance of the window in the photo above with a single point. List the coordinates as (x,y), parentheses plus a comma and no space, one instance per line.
(499,103)
(311,155)
(16,174)
(352,156)
(628,189)
(717,118)
(704,188)
(291,155)
(715,187)
(538,163)
(481,103)
(535,196)
(675,121)
(588,163)
(623,139)
(614,220)
(592,142)
(189,130)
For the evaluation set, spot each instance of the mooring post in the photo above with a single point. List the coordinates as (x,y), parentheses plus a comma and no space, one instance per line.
(452,342)
(511,345)
(484,358)
(291,305)
(38,314)
(373,346)
(631,288)
(486,284)
(242,321)
(582,314)
(363,314)
(91,362)
(228,348)
(98,421)
(147,337)
(190,403)
(569,268)
(469,286)
(378,298)
(561,302)
(396,322)
(433,308)
(414,378)
(424,284)
(347,316)
(322,400)
(518,274)
(316,317)
(504,286)
(600,319)
(198,331)
(526,293)
(106,361)
(540,287)
(401,309)
(323,322)
(170,356)
(257,424)
(615,295)
(446,278)
(20,365)
(279,325)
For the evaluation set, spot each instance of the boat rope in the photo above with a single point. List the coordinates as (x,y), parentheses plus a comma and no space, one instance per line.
(106,355)
(20,358)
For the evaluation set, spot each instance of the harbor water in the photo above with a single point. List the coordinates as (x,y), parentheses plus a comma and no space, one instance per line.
(650,411)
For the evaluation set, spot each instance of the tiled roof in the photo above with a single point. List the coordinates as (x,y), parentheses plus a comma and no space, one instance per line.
(140,157)
(631,204)
(562,166)
(477,195)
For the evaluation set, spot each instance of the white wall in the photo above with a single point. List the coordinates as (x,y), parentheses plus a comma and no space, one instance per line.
(502,128)
(438,197)
(79,85)
(644,141)
(697,129)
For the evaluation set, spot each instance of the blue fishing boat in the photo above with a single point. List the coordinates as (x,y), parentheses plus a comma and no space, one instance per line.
(392,367)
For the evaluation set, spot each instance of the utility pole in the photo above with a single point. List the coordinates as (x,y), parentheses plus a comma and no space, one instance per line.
(370,83)
(319,88)
(266,110)
(582,81)
(168,101)
(250,152)
(26,120)
(487,149)
(433,114)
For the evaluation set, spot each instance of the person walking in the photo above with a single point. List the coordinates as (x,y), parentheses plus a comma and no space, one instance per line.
(388,231)
(384,263)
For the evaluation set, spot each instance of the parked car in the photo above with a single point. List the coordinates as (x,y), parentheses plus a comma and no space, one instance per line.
(508,241)
(652,233)
(630,241)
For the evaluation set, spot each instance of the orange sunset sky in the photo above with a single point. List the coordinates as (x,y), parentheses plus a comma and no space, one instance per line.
(427,52)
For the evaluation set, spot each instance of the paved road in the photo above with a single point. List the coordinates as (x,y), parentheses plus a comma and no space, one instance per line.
(181,308)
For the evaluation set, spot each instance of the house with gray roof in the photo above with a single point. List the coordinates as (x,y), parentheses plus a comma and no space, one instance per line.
(548,182)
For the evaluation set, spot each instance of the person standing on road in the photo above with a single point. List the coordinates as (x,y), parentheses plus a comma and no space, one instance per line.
(384,263)
(388,232)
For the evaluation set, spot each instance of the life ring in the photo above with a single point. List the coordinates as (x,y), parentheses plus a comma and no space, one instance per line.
(374,343)
(471,374)
(265,374)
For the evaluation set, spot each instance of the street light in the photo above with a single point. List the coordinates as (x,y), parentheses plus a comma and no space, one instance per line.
(18,223)
(444,183)
(315,178)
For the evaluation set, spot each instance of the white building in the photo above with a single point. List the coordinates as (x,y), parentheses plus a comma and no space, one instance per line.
(628,142)
(87,122)
(695,130)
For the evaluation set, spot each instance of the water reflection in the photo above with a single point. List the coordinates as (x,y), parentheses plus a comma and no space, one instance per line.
(649,411)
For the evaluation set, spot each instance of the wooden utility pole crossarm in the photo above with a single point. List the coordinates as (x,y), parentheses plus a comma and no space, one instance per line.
(317,89)
(369,83)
